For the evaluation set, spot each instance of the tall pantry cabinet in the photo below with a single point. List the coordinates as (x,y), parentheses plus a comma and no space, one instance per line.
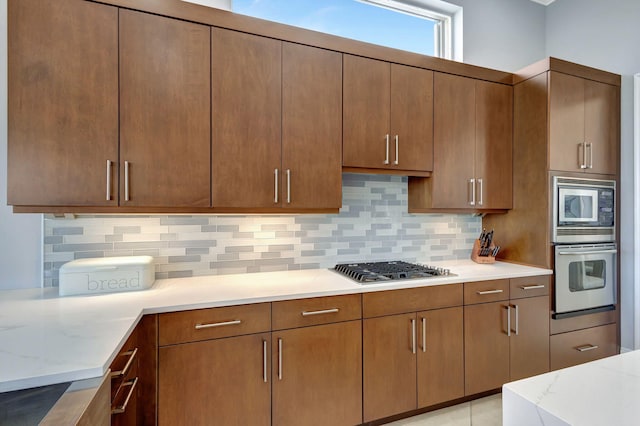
(566,123)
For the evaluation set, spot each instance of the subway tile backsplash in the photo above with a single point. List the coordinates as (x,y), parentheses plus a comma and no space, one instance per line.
(373,224)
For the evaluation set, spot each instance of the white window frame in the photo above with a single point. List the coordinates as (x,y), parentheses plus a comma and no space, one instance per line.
(448,17)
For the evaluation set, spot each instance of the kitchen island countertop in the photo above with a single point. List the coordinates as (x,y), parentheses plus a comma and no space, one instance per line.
(601,392)
(46,339)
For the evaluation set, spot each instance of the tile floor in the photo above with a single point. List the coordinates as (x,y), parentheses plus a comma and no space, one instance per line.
(481,412)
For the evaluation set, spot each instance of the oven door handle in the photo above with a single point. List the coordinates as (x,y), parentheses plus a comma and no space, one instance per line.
(587,252)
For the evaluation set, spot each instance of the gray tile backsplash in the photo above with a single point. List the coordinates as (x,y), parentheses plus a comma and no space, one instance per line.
(373,224)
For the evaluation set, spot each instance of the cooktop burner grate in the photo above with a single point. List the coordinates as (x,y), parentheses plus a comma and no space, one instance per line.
(388,271)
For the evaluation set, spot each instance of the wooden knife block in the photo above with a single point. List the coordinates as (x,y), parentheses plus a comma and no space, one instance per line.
(475,254)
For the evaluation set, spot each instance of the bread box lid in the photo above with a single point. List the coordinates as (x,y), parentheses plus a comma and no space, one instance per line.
(106,275)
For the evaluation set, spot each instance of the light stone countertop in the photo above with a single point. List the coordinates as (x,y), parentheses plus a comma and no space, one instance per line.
(47,339)
(598,393)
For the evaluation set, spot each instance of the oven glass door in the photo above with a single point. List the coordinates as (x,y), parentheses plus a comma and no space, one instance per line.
(585,277)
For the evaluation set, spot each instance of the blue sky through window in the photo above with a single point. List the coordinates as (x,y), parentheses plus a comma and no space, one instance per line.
(347,18)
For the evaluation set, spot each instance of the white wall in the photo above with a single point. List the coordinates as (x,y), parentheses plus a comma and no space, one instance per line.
(605,34)
(20,235)
(503,34)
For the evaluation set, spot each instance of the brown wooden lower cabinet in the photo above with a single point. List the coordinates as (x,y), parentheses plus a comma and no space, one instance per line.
(505,341)
(317,375)
(486,346)
(221,381)
(529,342)
(412,361)
(577,347)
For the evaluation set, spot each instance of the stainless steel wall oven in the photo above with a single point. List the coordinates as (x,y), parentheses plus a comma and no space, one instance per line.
(584,233)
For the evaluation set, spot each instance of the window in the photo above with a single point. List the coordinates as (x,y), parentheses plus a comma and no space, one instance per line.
(421,26)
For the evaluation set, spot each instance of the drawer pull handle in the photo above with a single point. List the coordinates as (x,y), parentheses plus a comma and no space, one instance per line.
(217,324)
(324,311)
(586,348)
(532,287)
(490,292)
(132,355)
(122,408)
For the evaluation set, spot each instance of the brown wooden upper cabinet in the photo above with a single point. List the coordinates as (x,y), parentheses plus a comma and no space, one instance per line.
(472,148)
(583,124)
(388,116)
(276,120)
(63,103)
(164,112)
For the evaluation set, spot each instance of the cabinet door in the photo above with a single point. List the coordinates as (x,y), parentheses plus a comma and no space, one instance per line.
(389,366)
(440,356)
(215,382)
(453,141)
(63,103)
(246,119)
(486,347)
(411,118)
(311,127)
(566,122)
(529,342)
(366,103)
(164,112)
(602,120)
(317,375)
(494,145)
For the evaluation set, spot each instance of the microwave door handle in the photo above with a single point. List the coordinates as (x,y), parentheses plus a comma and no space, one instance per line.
(587,252)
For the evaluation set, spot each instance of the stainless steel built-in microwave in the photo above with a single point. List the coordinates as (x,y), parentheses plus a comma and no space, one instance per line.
(583,210)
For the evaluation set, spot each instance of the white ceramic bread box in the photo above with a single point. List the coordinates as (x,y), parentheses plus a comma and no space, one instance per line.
(106,275)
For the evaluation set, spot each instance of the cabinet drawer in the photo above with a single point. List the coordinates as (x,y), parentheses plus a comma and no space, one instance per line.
(393,302)
(529,286)
(314,311)
(214,323)
(581,346)
(486,291)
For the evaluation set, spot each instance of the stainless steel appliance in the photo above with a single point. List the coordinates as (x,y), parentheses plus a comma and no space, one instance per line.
(585,278)
(583,210)
(366,273)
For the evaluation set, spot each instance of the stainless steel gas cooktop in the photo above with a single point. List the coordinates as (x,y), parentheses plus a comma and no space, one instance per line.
(388,271)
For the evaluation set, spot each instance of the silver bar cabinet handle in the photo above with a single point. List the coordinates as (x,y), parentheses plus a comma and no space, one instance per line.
(472,183)
(386,159)
(279,359)
(586,348)
(217,324)
(108,180)
(489,292)
(126,181)
(584,156)
(275,196)
(480,201)
(590,146)
(288,186)
(396,160)
(132,355)
(508,321)
(122,408)
(424,334)
(517,318)
(413,335)
(264,361)
(532,287)
(324,311)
